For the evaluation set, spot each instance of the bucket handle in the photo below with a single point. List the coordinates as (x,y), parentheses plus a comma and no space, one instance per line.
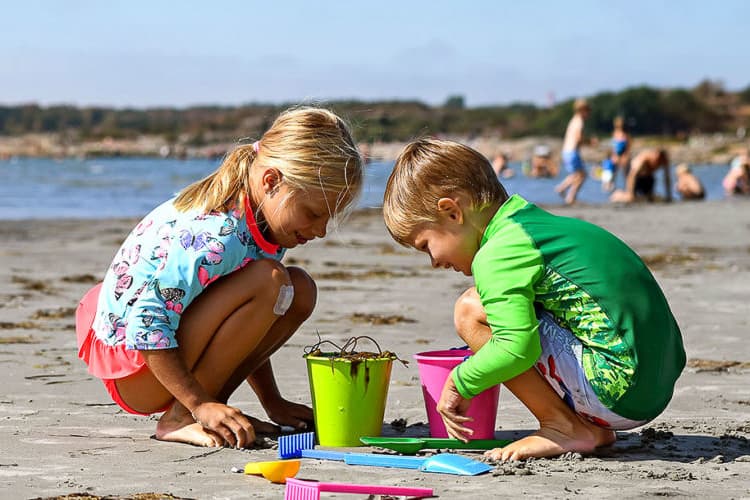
(350,344)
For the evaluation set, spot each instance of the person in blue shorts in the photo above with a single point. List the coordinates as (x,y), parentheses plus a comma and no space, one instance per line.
(571,154)
(620,144)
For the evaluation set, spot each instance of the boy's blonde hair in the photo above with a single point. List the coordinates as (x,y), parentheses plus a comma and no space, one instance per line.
(430,169)
(311,147)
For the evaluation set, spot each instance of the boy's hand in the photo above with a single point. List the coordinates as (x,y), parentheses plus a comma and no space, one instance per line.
(453,407)
(226,421)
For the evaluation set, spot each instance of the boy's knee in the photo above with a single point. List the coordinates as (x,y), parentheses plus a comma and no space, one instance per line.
(305,292)
(468,310)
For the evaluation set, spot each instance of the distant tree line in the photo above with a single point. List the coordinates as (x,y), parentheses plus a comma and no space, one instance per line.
(646,110)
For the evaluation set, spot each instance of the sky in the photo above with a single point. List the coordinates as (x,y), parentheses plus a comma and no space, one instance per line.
(149,53)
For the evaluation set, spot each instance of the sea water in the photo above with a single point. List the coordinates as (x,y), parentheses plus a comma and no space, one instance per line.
(41,188)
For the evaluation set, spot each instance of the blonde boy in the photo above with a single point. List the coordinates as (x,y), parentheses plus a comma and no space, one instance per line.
(562,312)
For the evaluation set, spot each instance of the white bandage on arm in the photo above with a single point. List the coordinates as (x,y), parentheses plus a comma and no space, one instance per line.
(286,295)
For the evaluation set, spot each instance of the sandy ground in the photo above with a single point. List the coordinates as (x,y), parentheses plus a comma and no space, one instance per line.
(60,434)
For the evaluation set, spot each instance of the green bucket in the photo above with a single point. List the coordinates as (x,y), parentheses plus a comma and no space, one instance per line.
(348,397)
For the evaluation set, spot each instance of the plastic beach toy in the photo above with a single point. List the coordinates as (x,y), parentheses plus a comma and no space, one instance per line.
(276,471)
(349,391)
(434,368)
(410,446)
(290,445)
(298,489)
(442,463)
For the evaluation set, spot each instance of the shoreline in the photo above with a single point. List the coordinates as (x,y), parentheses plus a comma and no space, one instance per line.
(705,149)
(377,211)
(66,435)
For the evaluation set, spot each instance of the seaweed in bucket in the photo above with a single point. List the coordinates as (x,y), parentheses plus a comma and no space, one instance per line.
(348,353)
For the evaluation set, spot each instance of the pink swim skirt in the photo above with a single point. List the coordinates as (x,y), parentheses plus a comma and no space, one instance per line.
(104,361)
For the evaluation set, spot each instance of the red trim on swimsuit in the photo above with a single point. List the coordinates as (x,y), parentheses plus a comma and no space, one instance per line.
(260,240)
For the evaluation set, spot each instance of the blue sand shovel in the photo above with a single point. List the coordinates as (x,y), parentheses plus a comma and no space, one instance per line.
(442,463)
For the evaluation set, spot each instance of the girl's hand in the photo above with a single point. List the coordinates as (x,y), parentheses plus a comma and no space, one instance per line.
(285,412)
(453,407)
(226,421)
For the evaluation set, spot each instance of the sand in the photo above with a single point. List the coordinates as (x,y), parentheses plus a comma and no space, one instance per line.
(60,434)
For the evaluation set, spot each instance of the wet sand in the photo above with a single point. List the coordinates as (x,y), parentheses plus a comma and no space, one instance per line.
(60,434)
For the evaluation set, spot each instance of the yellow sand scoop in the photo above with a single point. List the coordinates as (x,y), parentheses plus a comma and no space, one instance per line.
(275,471)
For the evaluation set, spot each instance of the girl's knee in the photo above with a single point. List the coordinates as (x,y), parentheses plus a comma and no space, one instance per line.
(305,292)
(271,273)
(277,273)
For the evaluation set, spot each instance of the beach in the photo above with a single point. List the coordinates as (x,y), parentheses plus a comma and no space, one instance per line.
(61,434)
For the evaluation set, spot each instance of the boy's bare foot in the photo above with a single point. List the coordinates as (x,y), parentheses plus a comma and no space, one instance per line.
(549,442)
(189,433)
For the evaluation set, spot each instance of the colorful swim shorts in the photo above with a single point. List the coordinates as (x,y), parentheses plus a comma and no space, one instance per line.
(560,364)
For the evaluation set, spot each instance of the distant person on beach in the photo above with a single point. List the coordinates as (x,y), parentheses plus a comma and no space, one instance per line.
(620,145)
(687,185)
(639,183)
(541,164)
(609,172)
(563,313)
(364,151)
(618,157)
(501,167)
(737,180)
(571,153)
(196,299)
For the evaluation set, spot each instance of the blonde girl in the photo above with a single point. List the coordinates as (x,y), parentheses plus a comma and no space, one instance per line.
(196,299)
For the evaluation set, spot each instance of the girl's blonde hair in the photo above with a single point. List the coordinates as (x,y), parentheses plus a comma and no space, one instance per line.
(430,169)
(311,147)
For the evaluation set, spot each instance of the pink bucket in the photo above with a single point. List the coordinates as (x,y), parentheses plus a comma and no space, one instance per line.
(434,368)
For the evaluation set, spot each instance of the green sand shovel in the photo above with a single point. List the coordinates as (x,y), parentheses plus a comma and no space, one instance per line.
(410,446)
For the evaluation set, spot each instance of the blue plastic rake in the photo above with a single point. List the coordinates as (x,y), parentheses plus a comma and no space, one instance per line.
(291,445)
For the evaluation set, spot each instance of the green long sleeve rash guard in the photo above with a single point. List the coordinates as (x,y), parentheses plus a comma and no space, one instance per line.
(595,286)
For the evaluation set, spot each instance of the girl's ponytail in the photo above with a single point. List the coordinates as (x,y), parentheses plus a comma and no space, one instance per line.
(222,189)
(311,147)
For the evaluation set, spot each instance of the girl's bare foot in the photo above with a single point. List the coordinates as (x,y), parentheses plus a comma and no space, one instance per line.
(181,428)
(189,433)
(550,442)
(262,426)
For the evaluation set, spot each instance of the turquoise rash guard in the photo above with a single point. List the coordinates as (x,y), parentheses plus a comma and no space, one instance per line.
(595,286)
